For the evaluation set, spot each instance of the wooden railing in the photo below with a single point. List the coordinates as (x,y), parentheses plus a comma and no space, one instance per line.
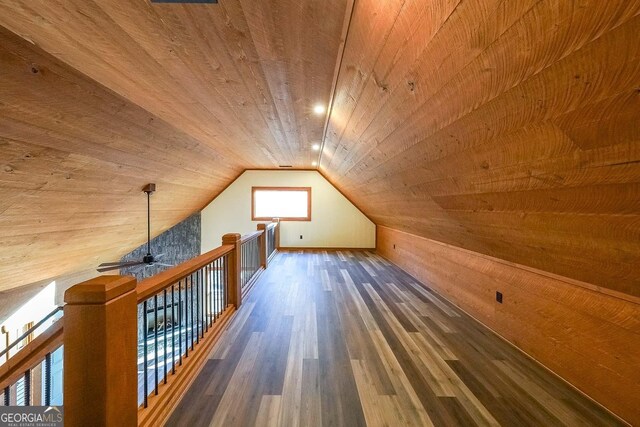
(26,379)
(250,260)
(271,239)
(131,349)
(179,311)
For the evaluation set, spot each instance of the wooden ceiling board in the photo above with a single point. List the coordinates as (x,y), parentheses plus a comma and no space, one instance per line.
(99,98)
(241,76)
(507,128)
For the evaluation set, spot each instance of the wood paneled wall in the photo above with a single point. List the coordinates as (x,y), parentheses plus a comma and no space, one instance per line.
(510,128)
(590,338)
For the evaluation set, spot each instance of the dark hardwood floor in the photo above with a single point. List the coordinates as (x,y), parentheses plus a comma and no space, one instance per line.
(349,339)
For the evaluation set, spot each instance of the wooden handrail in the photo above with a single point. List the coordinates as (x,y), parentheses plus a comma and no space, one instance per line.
(32,354)
(250,236)
(51,339)
(30,330)
(151,286)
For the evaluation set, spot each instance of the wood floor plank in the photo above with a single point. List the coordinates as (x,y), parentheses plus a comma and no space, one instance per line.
(310,410)
(345,338)
(227,412)
(269,412)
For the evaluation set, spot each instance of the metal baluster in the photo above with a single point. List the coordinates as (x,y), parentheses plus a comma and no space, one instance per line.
(189,310)
(186,316)
(27,388)
(225,281)
(145,328)
(202,302)
(206,297)
(197,309)
(203,292)
(217,285)
(180,319)
(173,330)
(199,281)
(164,362)
(192,312)
(47,380)
(210,289)
(155,342)
(214,298)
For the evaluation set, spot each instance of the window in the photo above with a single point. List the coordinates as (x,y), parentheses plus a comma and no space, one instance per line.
(286,203)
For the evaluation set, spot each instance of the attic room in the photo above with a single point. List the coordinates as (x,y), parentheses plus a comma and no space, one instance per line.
(320,213)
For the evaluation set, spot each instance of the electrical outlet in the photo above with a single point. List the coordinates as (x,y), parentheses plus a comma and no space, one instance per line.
(301,237)
(499,297)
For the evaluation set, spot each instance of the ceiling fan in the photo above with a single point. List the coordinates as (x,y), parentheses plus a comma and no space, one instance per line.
(148,260)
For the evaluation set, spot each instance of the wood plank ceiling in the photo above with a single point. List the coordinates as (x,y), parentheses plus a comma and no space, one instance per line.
(510,128)
(97,98)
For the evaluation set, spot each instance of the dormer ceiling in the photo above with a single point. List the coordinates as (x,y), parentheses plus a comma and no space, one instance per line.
(506,128)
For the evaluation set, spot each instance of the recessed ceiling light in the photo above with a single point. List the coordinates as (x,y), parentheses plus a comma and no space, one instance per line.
(318,109)
(314,163)
(315,147)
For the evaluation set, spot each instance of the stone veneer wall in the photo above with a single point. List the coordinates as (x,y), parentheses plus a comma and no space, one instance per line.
(179,244)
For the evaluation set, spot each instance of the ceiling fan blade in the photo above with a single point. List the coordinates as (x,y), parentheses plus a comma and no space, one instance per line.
(158,256)
(122,263)
(102,268)
(163,264)
(108,264)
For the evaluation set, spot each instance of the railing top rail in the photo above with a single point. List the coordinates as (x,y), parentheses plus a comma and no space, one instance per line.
(251,236)
(153,285)
(271,225)
(32,354)
(31,329)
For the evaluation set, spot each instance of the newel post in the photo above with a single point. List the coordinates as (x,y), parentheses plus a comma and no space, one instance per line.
(100,353)
(263,245)
(235,266)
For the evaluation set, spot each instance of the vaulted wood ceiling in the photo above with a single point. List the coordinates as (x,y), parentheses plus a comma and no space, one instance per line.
(97,98)
(510,128)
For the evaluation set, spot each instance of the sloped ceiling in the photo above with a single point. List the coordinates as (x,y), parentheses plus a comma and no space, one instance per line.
(510,128)
(98,98)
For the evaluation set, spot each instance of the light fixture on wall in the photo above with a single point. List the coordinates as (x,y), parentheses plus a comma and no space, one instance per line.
(318,109)
(314,163)
(315,147)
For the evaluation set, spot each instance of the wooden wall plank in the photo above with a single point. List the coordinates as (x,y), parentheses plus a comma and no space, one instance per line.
(589,338)
(507,128)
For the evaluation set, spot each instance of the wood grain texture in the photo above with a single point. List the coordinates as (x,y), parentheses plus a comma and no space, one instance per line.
(346,338)
(508,128)
(99,98)
(32,354)
(100,377)
(587,337)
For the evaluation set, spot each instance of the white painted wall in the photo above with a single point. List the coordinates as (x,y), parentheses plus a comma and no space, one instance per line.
(335,222)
